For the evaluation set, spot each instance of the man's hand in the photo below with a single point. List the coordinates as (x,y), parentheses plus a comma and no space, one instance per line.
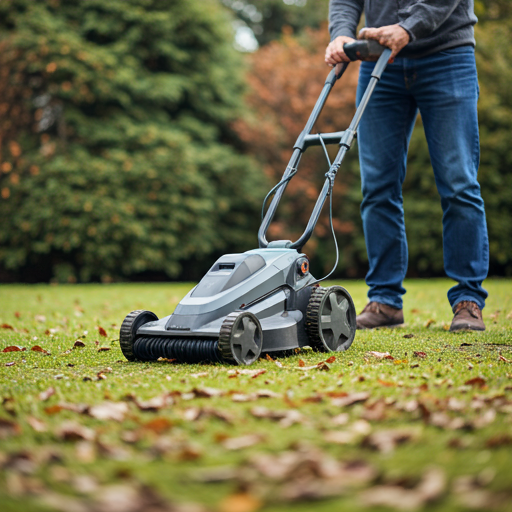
(392,36)
(334,53)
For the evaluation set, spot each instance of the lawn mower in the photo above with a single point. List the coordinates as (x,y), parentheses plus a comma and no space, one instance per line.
(264,300)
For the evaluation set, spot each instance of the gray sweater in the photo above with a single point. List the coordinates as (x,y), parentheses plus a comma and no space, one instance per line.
(433,25)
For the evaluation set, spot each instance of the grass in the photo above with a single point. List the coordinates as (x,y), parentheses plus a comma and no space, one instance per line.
(168,449)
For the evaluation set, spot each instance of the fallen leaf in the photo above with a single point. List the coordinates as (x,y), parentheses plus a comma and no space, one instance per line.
(385,441)
(78,344)
(240,502)
(44,395)
(381,355)
(331,359)
(73,431)
(12,363)
(102,332)
(238,443)
(267,393)
(301,363)
(14,348)
(408,336)
(37,348)
(158,425)
(429,322)
(479,382)
(103,349)
(504,359)
(420,354)
(285,418)
(36,424)
(499,440)
(40,318)
(385,383)
(109,411)
(207,392)
(350,399)
(7,326)
(8,428)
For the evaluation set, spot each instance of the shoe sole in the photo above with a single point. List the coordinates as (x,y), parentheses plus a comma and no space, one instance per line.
(467,329)
(392,326)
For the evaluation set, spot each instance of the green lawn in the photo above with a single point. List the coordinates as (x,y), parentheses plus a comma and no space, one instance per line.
(428,430)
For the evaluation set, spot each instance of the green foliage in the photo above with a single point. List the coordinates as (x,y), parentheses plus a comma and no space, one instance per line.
(118,155)
(267,18)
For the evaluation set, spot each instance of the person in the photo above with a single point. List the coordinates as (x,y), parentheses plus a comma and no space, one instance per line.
(432,69)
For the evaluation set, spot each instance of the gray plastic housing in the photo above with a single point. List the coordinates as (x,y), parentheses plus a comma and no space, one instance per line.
(266,282)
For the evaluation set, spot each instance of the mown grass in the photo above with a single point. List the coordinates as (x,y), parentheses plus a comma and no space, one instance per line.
(54,317)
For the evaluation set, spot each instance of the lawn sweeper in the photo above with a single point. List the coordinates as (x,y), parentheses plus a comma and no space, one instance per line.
(264,300)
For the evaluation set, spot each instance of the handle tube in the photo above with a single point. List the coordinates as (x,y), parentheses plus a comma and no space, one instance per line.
(299,147)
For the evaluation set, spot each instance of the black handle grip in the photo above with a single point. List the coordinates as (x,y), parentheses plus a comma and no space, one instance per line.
(364,49)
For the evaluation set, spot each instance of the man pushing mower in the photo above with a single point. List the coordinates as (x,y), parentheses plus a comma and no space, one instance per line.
(432,69)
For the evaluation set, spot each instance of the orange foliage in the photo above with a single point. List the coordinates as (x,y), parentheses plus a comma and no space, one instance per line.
(285,80)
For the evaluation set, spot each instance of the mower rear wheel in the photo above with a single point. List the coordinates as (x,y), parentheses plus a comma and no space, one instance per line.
(129,328)
(331,319)
(241,338)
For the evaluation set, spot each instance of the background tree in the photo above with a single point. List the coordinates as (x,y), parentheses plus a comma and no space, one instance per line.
(117,155)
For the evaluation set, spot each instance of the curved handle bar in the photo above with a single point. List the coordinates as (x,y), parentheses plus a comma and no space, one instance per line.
(363,49)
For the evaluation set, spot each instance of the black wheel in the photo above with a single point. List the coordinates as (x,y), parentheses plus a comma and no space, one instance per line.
(129,328)
(331,319)
(241,338)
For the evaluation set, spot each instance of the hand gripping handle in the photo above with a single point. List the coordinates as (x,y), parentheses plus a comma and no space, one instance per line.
(363,49)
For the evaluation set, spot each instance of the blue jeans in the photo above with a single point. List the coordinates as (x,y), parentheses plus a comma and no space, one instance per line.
(444,88)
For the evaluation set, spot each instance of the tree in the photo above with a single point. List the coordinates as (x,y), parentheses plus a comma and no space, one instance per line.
(266,18)
(117,154)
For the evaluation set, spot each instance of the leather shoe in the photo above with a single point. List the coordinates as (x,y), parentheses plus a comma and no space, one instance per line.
(467,317)
(376,314)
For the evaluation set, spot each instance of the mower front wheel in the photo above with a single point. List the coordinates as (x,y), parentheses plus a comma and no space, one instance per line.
(241,338)
(129,328)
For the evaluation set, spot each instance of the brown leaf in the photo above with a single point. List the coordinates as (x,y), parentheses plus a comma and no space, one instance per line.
(323,366)
(36,424)
(102,332)
(331,359)
(78,344)
(269,358)
(44,395)
(504,359)
(499,440)
(37,348)
(429,322)
(238,443)
(103,349)
(158,425)
(53,409)
(207,392)
(109,411)
(267,393)
(14,348)
(479,382)
(73,431)
(385,441)
(375,411)
(7,326)
(420,354)
(381,355)
(12,363)
(350,399)
(408,336)
(386,383)
(301,363)
(8,428)
(240,502)
(285,418)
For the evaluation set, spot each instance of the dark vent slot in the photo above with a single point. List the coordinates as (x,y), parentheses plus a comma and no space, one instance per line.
(226,266)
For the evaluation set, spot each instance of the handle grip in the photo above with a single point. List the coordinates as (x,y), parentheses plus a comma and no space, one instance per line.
(363,49)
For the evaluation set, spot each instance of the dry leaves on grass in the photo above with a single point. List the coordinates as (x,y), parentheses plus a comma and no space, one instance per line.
(102,332)
(37,348)
(73,431)
(45,395)
(286,418)
(385,441)
(14,348)
(431,487)
(197,413)
(381,355)
(238,443)
(107,411)
(350,399)
(252,373)
(8,428)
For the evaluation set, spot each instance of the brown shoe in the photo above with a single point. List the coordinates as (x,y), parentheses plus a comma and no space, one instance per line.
(376,314)
(467,317)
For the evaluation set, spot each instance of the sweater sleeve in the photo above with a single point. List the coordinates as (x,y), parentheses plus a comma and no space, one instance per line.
(344,16)
(424,16)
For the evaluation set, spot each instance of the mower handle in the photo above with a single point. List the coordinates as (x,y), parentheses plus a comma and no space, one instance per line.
(363,49)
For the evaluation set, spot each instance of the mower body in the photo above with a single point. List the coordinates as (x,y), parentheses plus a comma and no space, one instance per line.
(270,283)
